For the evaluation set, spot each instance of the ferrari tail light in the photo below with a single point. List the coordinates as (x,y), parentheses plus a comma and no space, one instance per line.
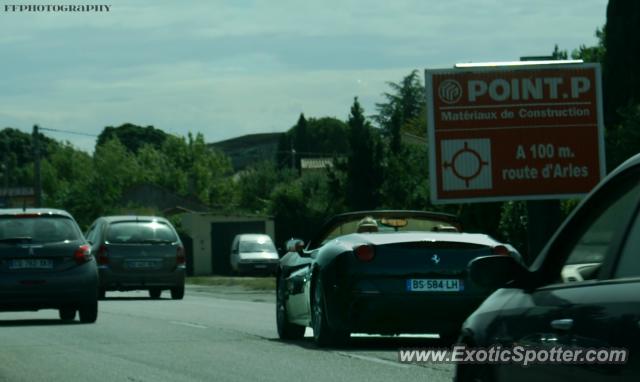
(500,250)
(82,254)
(181,259)
(364,253)
(103,258)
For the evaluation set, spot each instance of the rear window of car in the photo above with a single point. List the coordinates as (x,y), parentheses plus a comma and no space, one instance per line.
(140,232)
(38,229)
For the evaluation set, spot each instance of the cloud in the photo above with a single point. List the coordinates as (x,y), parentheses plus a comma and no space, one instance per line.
(228,68)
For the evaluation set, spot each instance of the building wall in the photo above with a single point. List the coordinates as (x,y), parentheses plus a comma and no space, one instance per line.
(198,227)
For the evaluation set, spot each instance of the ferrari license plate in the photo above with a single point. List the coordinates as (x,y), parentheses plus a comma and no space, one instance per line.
(31,264)
(435,285)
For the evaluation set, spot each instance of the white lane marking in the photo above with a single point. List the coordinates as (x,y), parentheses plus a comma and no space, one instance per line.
(372,359)
(189,324)
(362,335)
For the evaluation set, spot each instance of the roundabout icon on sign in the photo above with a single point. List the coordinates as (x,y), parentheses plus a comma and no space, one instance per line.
(466,164)
(450,91)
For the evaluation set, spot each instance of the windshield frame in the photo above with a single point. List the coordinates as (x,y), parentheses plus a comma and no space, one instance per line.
(333,223)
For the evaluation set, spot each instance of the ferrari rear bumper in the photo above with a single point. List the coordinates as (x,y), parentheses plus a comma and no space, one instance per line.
(403,312)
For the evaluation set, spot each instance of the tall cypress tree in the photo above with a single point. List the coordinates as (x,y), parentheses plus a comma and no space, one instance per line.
(622,80)
(301,138)
(622,58)
(364,167)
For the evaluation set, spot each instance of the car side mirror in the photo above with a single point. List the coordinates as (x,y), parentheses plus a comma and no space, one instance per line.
(496,271)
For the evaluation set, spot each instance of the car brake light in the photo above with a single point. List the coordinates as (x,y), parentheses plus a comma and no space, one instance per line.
(500,250)
(180,256)
(103,259)
(364,253)
(82,254)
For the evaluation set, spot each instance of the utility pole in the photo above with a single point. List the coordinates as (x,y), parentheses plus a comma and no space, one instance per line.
(543,216)
(36,161)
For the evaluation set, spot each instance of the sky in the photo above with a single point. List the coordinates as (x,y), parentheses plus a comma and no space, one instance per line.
(230,68)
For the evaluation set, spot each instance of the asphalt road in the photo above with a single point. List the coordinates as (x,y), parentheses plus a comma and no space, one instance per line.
(211,335)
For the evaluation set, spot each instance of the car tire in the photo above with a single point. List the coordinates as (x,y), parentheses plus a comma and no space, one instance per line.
(67,314)
(88,312)
(155,293)
(177,293)
(102,294)
(286,330)
(323,334)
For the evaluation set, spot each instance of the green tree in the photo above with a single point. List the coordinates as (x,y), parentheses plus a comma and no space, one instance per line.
(255,186)
(591,53)
(175,176)
(513,225)
(406,181)
(404,109)
(209,173)
(64,171)
(558,54)
(114,169)
(300,205)
(365,165)
(623,139)
(315,137)
(133,136)
(156,166)
(16,156)
(622,55)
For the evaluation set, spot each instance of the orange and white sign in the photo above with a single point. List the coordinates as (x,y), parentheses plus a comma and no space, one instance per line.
(514,132)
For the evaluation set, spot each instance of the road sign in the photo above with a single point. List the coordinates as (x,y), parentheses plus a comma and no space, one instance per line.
(520,132)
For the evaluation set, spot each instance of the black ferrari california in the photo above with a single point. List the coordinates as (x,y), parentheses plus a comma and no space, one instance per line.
(381,272)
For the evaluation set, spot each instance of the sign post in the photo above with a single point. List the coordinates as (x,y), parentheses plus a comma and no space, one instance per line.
(523,131)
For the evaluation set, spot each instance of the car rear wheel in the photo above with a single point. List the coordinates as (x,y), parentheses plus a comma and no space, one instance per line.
(286,330)
(67,314)
(323,334)
(155,293)
(89,312)
(177,293)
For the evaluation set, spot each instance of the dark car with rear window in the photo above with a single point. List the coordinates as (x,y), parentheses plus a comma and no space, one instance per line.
(46,263)
(381,272)
(138,253)
(580,297)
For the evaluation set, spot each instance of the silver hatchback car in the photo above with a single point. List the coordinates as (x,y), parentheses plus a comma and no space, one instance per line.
(138,252)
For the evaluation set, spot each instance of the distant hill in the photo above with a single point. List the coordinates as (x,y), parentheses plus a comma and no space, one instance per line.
(249,149)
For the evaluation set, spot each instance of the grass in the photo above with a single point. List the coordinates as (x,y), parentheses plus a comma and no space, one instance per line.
(250,283)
